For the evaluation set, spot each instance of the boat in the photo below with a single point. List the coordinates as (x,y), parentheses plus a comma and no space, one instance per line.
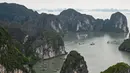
(92,43)
(108,42)
(53,63)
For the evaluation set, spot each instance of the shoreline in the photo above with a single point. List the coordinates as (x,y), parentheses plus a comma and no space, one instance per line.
(55,57)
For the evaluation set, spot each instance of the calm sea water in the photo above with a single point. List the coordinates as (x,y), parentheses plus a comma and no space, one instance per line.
(99,56)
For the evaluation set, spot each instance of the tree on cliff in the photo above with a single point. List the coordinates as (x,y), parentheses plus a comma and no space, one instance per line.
(118,68)
(10,56)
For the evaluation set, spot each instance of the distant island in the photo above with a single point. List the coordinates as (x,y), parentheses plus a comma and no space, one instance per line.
(58,10)
(110,10)
(31,22)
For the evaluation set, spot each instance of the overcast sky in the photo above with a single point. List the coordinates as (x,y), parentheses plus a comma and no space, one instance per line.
(83,4)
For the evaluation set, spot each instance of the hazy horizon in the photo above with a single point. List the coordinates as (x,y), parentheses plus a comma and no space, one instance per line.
(79,4)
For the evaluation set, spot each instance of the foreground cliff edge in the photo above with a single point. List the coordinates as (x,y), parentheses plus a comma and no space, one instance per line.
(118,68)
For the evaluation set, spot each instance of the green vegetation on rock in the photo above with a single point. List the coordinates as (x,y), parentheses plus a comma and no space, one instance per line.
(10,56)
(118,68)
(74,63)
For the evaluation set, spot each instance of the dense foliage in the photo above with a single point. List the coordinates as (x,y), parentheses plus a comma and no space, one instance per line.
(27,50)
(118,68)
(10,56)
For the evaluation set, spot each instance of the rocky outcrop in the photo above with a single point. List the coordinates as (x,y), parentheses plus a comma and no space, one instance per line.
(117,23)
(75,21)
(125,46)
(46,45)
(118,68)
(49,45)
(49,21)
(74,63)
(29,21)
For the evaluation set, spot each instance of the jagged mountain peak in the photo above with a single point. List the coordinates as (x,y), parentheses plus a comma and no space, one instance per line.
(69,12)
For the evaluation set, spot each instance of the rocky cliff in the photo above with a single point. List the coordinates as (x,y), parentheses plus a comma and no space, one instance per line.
(75,21)
(125,46)
(49,44)
(44,45)
(117,23)
(74,63)
(29,21)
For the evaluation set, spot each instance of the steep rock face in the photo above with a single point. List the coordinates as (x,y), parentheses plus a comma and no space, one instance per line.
(72,20)
(117,23)
(75,21)
(48,45)
(74,63)
(98,25)
(49,21)
(118,68)
(41,23)
(125,46)
(29,21)
(120,21)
